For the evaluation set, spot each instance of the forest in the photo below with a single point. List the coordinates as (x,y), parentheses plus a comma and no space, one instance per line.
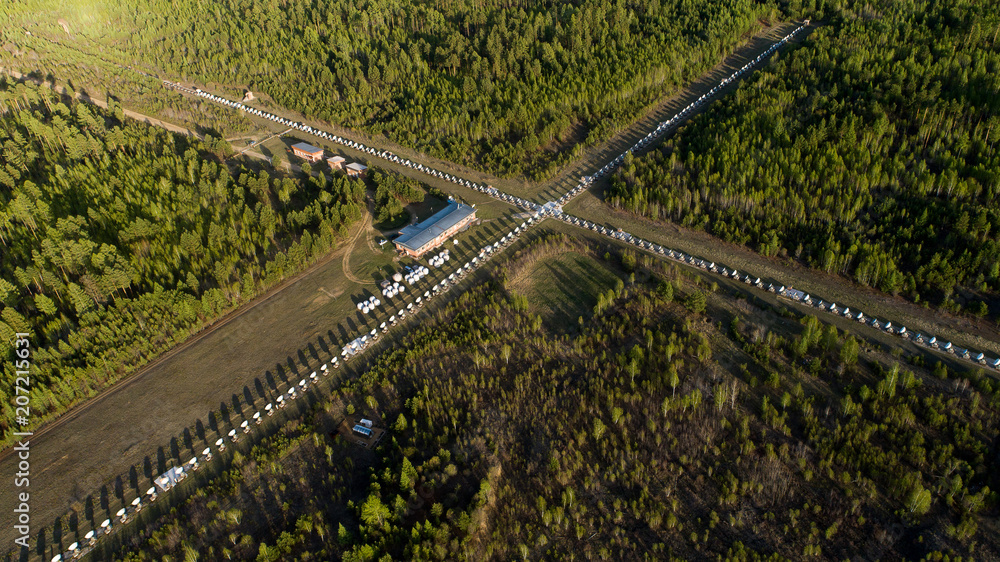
(392,193)
(515,88)
(677,419)
(120,239)
(870,151)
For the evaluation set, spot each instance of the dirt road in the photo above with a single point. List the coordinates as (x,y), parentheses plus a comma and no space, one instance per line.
(103,104)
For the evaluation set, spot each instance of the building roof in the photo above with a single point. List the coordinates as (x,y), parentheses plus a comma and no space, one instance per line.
(335,159)
(307,148)
(357,166)
(416,236)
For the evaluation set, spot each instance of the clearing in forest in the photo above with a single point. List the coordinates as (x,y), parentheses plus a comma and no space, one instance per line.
(562,288)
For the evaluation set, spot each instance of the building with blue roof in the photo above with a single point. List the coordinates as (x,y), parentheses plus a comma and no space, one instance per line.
(418,239)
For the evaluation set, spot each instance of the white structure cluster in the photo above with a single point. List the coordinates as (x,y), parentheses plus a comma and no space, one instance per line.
(416,274)
(553,209)
(392,288)
(176,474)
(356,346)
(440,259)
(369,305)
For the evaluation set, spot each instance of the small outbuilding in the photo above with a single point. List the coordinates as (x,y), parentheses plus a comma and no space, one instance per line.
(356,169)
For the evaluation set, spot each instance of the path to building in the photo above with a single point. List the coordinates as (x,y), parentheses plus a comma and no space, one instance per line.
(363,228)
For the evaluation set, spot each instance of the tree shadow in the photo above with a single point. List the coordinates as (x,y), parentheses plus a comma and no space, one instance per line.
(292,367)
(282,375)
(312,351)
(133,479)
(248,396)
(334,338)
(88,510)
(269,377)
(41,544)
(224,413)
(187,440)
(258,387)
(57,531)
(119,488)
(205,131)
(175,450)
(237,405)
(105,500)
(213,423)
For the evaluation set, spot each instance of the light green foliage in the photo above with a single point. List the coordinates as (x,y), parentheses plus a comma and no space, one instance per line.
(475,82)
(696,302)
(133,238)
(373,512)
(861,151)
(392,192)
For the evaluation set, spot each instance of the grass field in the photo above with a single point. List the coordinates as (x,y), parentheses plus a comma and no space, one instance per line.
(564,288)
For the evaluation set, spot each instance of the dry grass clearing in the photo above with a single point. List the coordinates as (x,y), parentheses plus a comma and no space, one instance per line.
(564,287)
